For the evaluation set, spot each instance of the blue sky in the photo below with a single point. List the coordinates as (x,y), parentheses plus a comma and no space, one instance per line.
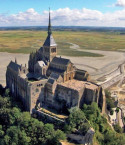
(34,12)
(14,6)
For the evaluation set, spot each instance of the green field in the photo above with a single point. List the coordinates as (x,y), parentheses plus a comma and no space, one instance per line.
(21,41)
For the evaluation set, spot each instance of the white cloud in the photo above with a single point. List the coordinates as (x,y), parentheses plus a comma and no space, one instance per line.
(120,3)
(65,16)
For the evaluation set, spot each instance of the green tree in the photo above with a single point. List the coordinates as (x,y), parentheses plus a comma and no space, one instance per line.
(1,131)
(76,118)
(117,110)
(107,93)
(84,127)
(16,137)
(111,112)
(7,93)
(59,135)
(118,128)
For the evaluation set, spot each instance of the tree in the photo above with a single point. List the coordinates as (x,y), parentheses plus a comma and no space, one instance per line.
(83,128)
(92,113)
(5,102)
(16,137)
(76,118)
(7,93)
(59,135)
(118,128)
(19,128)
(111,112)
(117,110)
(14,115)
(107,93)
(1,131)
(110,104)
(109,100)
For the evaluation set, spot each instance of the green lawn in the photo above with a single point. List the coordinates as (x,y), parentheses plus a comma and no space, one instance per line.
(28,41)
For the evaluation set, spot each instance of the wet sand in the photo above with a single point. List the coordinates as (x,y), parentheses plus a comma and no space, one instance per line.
(96,66)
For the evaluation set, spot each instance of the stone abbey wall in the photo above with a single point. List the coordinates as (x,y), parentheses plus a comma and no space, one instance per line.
(36,93)
(70,96)
(82,75)
(18,87)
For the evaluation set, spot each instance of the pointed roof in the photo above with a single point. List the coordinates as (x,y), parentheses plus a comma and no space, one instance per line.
(49,40)
(14,66)
(60,61)
(49,25)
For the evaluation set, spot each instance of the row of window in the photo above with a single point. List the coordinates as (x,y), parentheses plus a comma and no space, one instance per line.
(39,85)
(52,50)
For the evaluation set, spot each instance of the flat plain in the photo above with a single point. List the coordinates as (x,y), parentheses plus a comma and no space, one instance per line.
(97,52)
(25,41)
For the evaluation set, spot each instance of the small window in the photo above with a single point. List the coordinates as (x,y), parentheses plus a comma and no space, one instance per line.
(37,90)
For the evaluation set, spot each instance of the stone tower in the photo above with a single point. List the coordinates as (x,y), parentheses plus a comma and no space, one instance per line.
(49,46)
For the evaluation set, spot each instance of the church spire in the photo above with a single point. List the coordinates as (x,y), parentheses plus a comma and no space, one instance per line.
(49,40)
(49,46)
(49,26)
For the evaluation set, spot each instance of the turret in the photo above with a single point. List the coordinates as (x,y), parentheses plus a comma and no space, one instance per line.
(15,61)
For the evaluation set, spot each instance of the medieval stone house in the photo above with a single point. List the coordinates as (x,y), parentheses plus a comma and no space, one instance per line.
(51,81)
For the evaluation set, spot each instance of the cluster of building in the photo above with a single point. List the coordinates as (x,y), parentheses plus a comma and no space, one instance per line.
(51,81)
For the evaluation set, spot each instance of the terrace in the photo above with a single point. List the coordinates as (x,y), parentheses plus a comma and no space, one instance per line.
(78,85)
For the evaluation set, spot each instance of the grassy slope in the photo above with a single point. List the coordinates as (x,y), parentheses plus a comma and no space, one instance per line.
(27,41)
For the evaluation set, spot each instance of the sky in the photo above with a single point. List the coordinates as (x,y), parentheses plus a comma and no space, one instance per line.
(63,12)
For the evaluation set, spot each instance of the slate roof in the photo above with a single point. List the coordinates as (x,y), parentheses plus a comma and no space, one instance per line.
(14,66)
(54,75)
(36,77)
(56,70)
(60,61)
(51,81)
(50,41)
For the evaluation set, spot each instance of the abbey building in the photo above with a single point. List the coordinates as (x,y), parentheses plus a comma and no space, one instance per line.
(51,81)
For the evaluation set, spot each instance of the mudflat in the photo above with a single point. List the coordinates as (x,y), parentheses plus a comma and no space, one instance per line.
(96,66)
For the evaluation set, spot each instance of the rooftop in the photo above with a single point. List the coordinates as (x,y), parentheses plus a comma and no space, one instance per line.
(60,61)
(50,41)
(35,77)
(78,85)
(14,66)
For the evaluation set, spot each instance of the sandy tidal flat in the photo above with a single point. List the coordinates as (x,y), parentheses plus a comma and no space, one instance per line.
(96,66)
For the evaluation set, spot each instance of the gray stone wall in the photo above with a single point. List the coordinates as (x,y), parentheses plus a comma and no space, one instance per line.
(18,87)
(68,95)
(82,75)
(37,93)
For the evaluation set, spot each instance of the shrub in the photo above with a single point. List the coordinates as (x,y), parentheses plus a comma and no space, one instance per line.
(118,128)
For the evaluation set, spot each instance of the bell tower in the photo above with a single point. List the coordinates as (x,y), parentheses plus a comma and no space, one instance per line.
(49,46)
